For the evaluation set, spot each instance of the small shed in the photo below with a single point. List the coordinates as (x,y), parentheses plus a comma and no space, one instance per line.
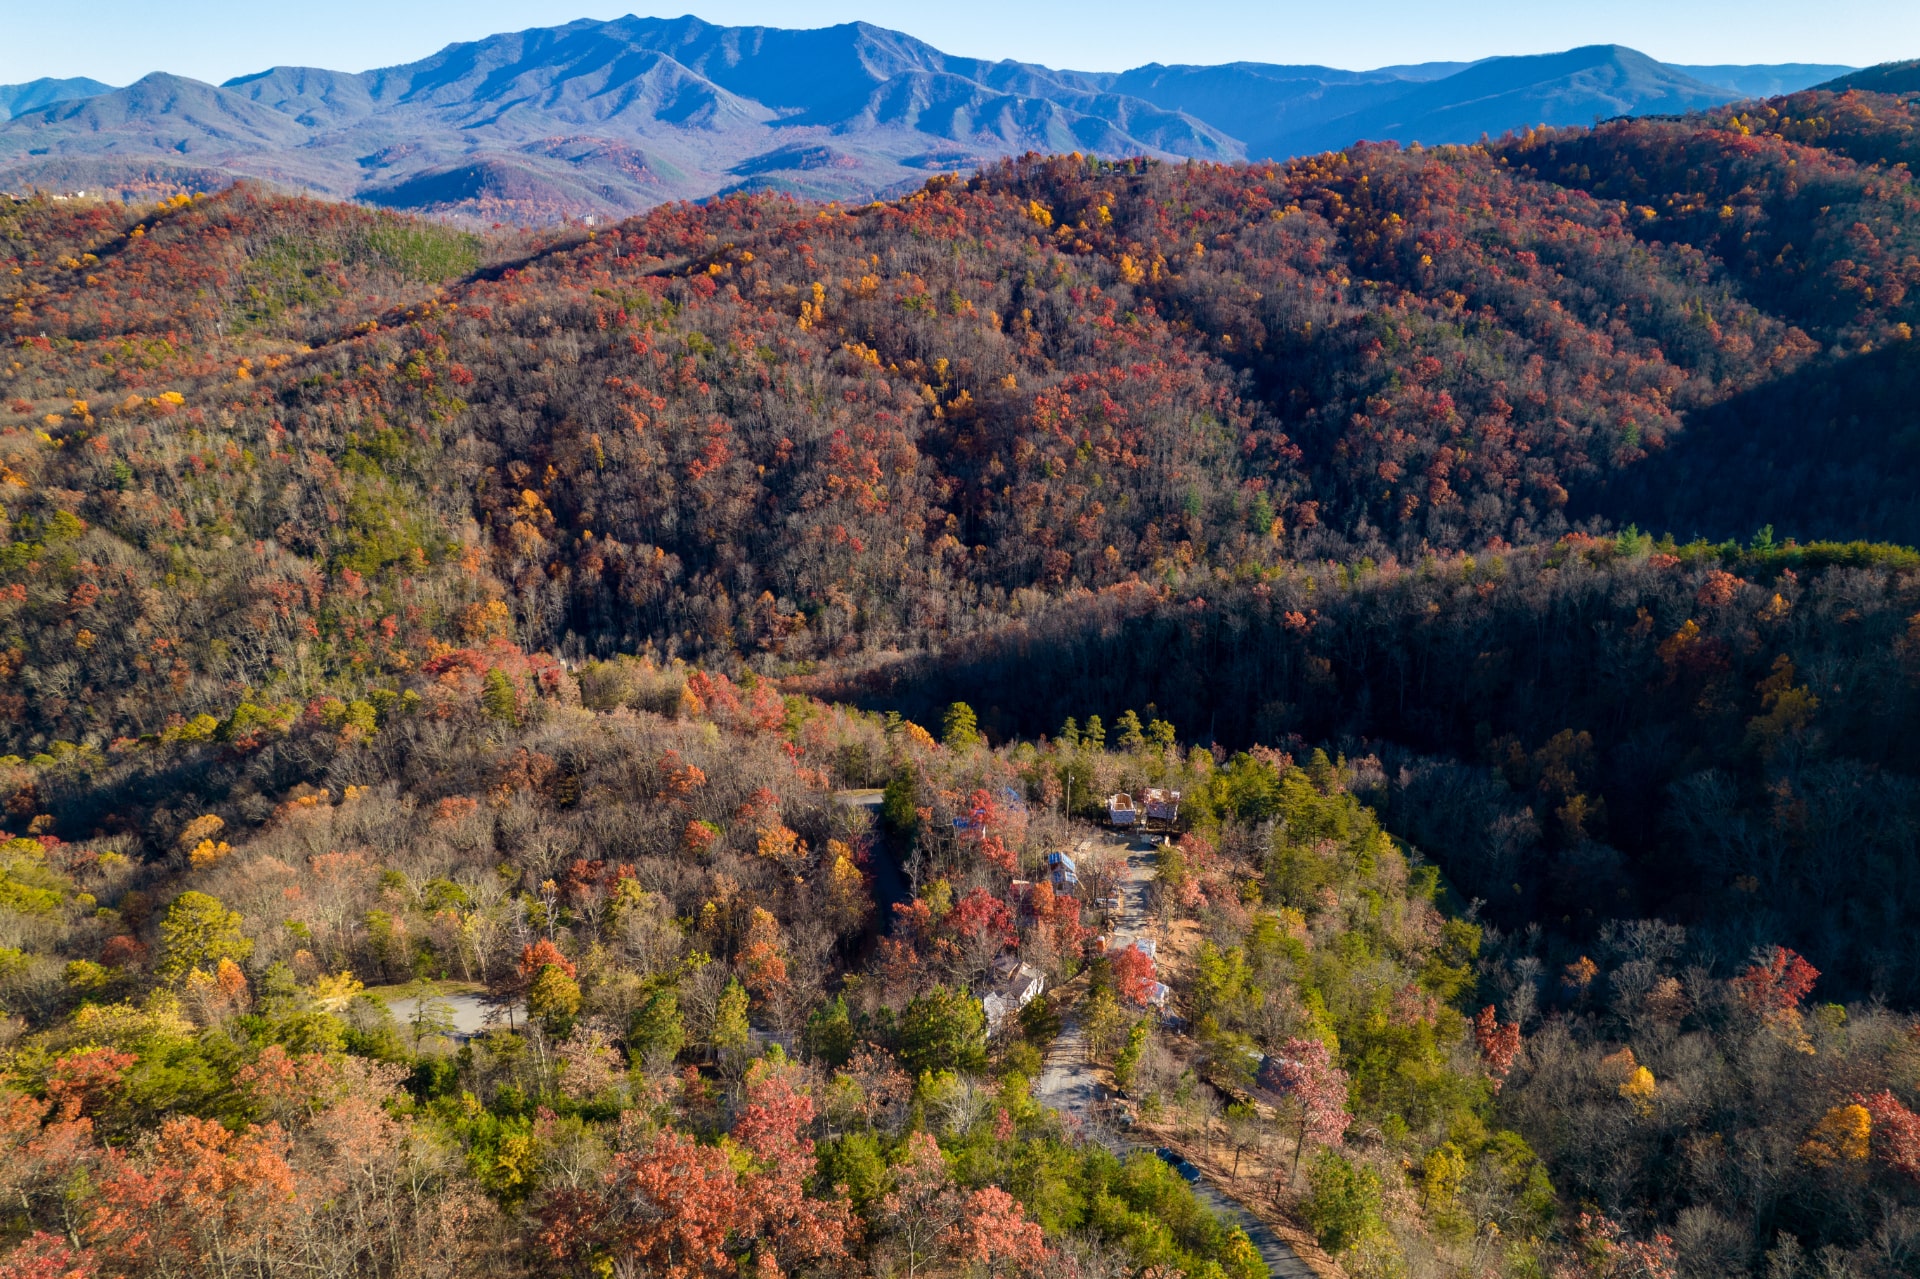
(1060,866)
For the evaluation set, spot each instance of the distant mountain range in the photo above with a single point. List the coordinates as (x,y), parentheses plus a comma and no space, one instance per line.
(604,118)
(18,99)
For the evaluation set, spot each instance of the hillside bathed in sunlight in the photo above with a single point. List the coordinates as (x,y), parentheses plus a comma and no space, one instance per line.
(1106,717)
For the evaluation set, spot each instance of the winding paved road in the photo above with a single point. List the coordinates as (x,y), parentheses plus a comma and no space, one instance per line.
(1067,1082)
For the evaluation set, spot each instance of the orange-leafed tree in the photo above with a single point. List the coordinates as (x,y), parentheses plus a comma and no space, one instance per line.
(994,1236)
(196,1190)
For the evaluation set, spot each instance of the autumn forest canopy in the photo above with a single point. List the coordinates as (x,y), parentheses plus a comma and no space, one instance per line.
(1505,549)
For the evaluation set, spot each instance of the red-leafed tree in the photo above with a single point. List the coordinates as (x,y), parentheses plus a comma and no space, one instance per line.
(1896,1131)
(1306,1074)
(84,1082)
(1603,1250)
(978,928)
(1133,975)
(980,918)
(45,1256)
(993,828)
(668,1211)
(1499,1045)
(1776,981)
(917,1216)
(714,695)
(796,1229)
(286,1088)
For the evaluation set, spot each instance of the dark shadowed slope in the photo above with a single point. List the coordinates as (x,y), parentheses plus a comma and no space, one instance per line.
(1887,77)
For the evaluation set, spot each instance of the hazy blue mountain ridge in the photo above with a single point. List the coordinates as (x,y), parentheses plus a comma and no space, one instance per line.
(1764,81)
(1257,102)
(34,94)
(610,117)
(1500,94)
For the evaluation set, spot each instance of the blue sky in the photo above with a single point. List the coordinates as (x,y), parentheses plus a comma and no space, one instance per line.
(120,40)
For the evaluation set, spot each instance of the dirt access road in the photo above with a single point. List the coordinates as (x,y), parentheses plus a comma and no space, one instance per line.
(1067,1082)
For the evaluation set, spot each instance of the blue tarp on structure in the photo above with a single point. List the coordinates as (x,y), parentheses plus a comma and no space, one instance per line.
(976,820)
(1064,872)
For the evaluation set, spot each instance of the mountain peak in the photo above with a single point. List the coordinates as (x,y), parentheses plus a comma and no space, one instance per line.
(18,99)
(555,118)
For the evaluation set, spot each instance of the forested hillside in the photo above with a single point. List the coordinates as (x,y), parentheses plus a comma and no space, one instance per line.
(1603,728)
(1501,546)
(759,429)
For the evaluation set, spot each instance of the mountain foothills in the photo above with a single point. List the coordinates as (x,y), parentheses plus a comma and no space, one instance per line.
(710,642)
(608,118)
